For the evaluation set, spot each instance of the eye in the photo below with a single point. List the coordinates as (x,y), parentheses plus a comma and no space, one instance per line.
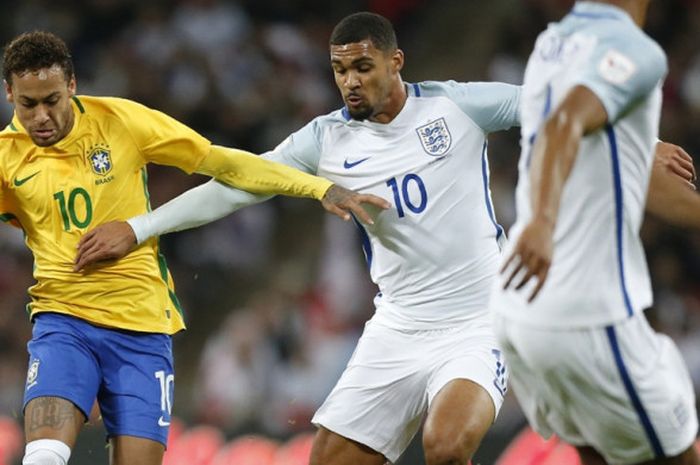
(364,68)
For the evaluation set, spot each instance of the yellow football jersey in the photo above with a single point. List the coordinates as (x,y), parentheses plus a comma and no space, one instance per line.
(94,175)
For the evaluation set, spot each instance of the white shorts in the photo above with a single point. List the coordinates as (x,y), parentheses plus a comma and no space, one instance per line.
(393,376)
(622,389)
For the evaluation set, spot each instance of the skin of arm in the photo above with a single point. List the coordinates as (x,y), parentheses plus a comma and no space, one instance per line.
(554,153)
(668,199)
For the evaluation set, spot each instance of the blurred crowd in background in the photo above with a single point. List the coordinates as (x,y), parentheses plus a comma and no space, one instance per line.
(276,295)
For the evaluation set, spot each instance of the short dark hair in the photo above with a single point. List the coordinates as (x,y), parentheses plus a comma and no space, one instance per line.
(362,26)
(35,50)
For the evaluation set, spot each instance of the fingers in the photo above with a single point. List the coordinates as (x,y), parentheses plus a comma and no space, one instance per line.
(344,203)
(528,264)
(337,211)
(683,169)
(361,214)
(682,164)
(373,200)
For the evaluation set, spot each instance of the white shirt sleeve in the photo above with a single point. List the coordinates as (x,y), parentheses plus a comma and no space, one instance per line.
(622,69)
(201,205)
(213,200)
(493,106)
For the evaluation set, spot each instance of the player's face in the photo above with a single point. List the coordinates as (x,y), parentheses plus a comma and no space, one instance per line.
(42,103)
(365,76)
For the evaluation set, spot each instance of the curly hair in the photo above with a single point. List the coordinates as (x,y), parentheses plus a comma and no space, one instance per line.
(365,25)
(35,50)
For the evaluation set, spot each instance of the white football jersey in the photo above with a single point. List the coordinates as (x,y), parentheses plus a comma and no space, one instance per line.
(598,273)
(435,253)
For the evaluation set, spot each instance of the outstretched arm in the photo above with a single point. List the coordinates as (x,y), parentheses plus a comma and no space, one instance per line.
(553,157)
(198,206)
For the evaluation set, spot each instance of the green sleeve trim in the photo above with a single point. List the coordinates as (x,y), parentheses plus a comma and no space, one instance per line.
(144,178)
(79,104)
(162,264)
(13,127)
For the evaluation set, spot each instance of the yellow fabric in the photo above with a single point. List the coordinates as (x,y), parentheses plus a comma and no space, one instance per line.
(248,172)
(94,175)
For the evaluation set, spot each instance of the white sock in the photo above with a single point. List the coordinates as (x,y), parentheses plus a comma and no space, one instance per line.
(46,452)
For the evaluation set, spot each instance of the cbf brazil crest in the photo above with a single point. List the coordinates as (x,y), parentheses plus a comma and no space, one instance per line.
(435,137)
(101,160)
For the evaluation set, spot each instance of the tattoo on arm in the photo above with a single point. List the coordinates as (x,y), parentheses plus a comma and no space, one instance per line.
(336,195)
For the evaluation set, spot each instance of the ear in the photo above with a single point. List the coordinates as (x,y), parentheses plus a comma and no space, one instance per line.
(397,60)
(8,92)
(72,86)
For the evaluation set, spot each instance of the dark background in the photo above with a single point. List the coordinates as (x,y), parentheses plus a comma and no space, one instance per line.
(276,295)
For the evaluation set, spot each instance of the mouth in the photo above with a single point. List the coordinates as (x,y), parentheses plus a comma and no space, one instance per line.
(44,133)
(354,100)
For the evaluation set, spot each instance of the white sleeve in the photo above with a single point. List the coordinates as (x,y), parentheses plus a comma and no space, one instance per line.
(213,200)
(201,205)
(493,106)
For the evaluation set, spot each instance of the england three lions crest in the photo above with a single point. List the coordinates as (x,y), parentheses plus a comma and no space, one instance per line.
(435,137)
(100,160)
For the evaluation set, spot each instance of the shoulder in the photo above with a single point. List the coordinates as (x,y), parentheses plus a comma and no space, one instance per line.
(632,46)
(335,120)
(108,105)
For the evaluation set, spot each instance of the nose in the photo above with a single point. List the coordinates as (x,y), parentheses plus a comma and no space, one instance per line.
(41,114)
(352,80)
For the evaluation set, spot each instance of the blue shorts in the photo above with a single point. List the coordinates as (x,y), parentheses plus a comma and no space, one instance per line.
(129,373)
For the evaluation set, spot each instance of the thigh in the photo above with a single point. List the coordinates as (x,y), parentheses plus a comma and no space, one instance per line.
(380,399)
(130,450)
(459,417)
(61,364)
(52,418)
(330,448)
(137,393)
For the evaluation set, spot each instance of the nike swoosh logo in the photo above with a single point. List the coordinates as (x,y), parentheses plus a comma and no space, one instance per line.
(349,164)
(19,182)
(162,422)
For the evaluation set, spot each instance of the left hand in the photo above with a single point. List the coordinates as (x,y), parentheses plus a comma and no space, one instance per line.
(531,254)
(344,203)
(676,160)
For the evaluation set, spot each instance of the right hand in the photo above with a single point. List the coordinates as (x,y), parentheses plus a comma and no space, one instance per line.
(108,241)
(345,203)
(676,161)
(531,255)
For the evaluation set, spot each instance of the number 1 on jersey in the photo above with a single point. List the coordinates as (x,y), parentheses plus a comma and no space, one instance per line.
(402,197)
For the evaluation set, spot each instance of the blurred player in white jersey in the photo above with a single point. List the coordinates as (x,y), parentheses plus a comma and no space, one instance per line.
(429,349)
(569,310)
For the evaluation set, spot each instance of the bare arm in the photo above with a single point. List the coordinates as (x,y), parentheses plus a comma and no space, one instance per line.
(671,199)
(553,156)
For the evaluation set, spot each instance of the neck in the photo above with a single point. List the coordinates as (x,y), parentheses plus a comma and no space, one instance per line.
(393,104)
(637,9)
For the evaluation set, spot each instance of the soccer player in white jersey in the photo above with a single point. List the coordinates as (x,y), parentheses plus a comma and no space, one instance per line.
(429,349)
(569,310)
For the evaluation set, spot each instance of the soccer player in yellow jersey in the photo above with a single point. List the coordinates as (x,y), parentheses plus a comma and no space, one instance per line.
(69,163)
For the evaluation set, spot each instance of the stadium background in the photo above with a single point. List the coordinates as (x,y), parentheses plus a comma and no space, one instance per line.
(276,295)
